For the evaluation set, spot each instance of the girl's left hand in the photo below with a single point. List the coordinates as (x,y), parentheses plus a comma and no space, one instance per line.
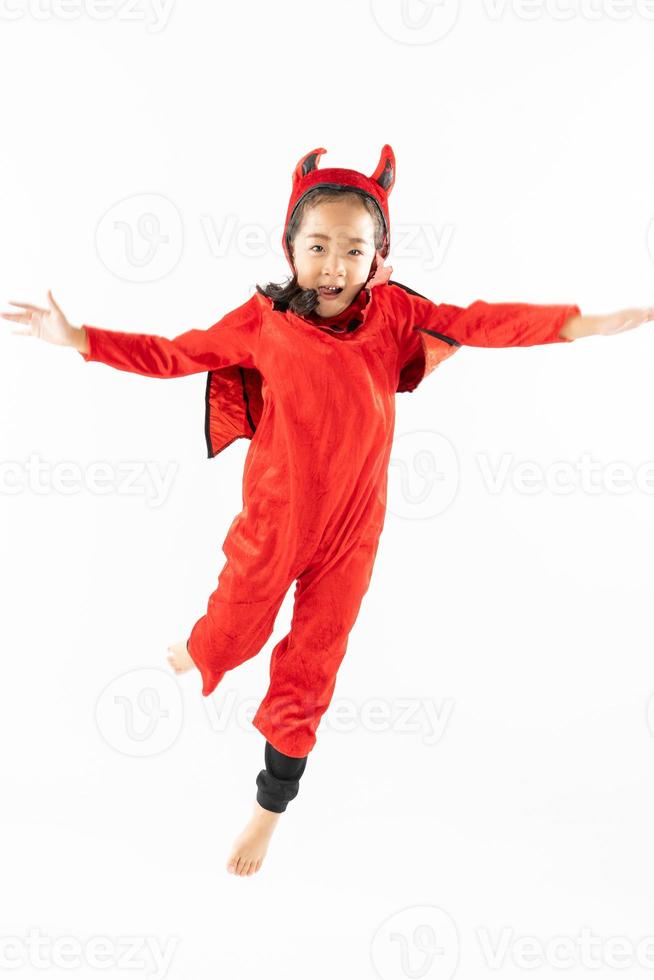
(624,320)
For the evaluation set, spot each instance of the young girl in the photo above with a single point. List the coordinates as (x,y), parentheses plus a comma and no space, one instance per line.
(308,371)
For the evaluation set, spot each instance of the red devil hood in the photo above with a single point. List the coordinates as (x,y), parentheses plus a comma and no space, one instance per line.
(307,176)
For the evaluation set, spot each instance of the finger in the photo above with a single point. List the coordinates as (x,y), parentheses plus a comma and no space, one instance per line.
(21,333)
(19,317)
(54,302)
(28,306)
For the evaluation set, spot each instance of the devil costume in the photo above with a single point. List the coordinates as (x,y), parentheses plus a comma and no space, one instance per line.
(316,397)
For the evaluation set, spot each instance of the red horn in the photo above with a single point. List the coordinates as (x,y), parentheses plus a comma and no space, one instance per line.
(384,175)
(307,163)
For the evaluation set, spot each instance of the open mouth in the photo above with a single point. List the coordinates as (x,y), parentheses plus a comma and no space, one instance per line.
(329,290)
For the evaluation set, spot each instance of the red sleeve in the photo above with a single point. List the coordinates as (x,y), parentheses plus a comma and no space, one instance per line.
(500,324)
(481,324)
(232,340)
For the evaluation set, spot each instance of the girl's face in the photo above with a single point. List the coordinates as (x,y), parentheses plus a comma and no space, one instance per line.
(334,246)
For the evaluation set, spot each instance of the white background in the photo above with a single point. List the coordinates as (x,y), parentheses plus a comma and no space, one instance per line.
(524,145)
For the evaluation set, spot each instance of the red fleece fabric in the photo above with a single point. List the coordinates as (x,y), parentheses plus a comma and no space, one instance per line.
(319,408)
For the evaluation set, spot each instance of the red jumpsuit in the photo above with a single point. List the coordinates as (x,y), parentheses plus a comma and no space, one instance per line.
(319,407)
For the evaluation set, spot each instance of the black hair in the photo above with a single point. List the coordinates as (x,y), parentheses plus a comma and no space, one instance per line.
(289,294)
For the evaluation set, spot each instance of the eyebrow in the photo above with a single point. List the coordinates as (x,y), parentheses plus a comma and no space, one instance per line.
(362,241)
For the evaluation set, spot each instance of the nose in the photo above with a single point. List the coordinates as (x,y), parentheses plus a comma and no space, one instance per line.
(333,264)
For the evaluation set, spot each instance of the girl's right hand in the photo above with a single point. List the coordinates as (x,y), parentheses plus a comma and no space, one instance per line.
(50,324)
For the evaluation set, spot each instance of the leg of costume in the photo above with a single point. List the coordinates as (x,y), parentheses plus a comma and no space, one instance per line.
(304,663)
(242,609)
(279,782)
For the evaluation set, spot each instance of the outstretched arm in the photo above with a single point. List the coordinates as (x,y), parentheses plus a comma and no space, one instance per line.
(509,324)
(481,324)
(232,340)
(501,324)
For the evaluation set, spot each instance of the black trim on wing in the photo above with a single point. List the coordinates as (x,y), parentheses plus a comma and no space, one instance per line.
(207,436)
(441,336)
(433,333)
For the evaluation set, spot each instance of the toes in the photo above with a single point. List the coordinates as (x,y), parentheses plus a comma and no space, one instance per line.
(242,866)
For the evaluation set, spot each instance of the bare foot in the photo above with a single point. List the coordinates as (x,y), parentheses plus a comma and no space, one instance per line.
(249,848)
(180,659)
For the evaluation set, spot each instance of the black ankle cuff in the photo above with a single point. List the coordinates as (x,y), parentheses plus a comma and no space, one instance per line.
(279,782)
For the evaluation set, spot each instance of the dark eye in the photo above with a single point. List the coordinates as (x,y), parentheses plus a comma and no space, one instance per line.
(356,250)
(316,246)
